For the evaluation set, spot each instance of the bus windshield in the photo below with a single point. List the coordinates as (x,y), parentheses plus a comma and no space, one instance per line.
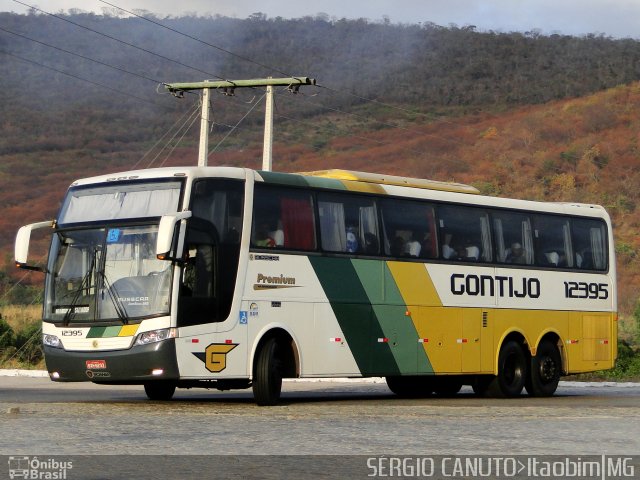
(119,201)
(106,274)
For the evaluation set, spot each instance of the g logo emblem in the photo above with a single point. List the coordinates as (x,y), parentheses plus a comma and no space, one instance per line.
(216,356)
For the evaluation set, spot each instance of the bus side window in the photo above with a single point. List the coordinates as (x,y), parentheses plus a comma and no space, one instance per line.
(220,202)
(409,229)
(553,242)
(465,234)
(283,218)
(348,224)
(514,244)
(589,244)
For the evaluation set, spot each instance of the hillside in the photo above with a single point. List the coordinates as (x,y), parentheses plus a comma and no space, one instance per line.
(585,149)
(518,115)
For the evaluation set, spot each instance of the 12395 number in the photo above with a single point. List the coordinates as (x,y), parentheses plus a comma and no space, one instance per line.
(596,291)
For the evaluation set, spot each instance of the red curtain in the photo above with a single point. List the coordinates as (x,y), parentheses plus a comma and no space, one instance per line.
(297,223)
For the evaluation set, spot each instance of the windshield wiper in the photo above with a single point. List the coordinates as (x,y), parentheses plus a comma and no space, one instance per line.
(121,310)
(85,284)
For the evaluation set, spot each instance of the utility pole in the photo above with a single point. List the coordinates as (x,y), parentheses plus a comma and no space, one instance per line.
(203,149)
(267,144)
(228,88)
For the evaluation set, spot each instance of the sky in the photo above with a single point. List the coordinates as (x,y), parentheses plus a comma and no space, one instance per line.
(615,18)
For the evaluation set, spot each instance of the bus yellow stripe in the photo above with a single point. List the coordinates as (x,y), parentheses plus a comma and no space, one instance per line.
(364,187)
(414,283)
(128,330)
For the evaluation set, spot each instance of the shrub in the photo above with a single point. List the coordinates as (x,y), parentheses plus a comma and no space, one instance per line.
(29,344)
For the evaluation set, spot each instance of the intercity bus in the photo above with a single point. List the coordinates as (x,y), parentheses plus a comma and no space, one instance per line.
(227,278)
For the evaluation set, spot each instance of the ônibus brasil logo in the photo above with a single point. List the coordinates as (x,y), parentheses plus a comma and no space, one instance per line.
(35,468)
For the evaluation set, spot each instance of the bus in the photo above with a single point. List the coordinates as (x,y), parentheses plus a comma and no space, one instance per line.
(226,278)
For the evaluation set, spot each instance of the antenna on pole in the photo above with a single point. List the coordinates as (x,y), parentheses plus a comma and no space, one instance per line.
(228,87)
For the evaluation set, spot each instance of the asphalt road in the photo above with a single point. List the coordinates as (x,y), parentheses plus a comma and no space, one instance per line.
(320,418)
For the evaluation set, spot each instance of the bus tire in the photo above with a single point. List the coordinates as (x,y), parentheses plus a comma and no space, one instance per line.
(410,386)
(160,390)
(512,372)
(267,377)
(546,367)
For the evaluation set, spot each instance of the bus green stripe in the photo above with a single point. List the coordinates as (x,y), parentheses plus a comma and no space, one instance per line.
(106,332)
(352,307)
(96,332)
(390,310)
(406,329)
(283,178)
(319,182)
(296,180)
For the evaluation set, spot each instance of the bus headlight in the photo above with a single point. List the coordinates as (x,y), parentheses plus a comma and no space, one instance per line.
(153,336)
(51,341)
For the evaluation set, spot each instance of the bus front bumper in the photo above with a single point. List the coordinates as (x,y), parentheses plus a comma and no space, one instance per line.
(135,365)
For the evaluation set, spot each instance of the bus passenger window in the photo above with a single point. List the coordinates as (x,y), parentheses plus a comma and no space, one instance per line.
(514,244)
(589,244)
(409,229)
(348,224)
(553,242)
(465,234)
(283,218)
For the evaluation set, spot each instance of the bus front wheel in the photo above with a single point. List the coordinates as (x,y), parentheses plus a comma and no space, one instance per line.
(267,375)
(160,390)
(512,371)
(546,367)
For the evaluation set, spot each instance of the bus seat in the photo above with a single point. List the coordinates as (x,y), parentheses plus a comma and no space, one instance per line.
(586,260)
(553,258)
(278,237)
(473,253)
(371,244)
(448,252)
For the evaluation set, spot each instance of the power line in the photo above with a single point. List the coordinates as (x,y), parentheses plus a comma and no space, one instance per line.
(419,153)
(400,127)
(119,41)
(193,116)
(372,100)
(187,112)
(269,67)
(369,119)
(247,59)
(81,56)
(235,126)
(335,91)
(119,92)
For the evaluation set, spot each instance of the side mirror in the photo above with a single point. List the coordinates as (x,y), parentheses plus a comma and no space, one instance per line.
(166,234)
(21,248)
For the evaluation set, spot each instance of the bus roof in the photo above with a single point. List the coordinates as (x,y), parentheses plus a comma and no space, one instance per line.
(382,179)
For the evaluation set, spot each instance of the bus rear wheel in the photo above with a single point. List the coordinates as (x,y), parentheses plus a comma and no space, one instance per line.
(267,375)
(160,390)
(512,371)
(546,367)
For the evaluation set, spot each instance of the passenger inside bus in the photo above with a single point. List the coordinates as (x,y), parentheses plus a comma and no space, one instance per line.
(397,248)
(263,237)
(413,246)
(371,244)
(516,254)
